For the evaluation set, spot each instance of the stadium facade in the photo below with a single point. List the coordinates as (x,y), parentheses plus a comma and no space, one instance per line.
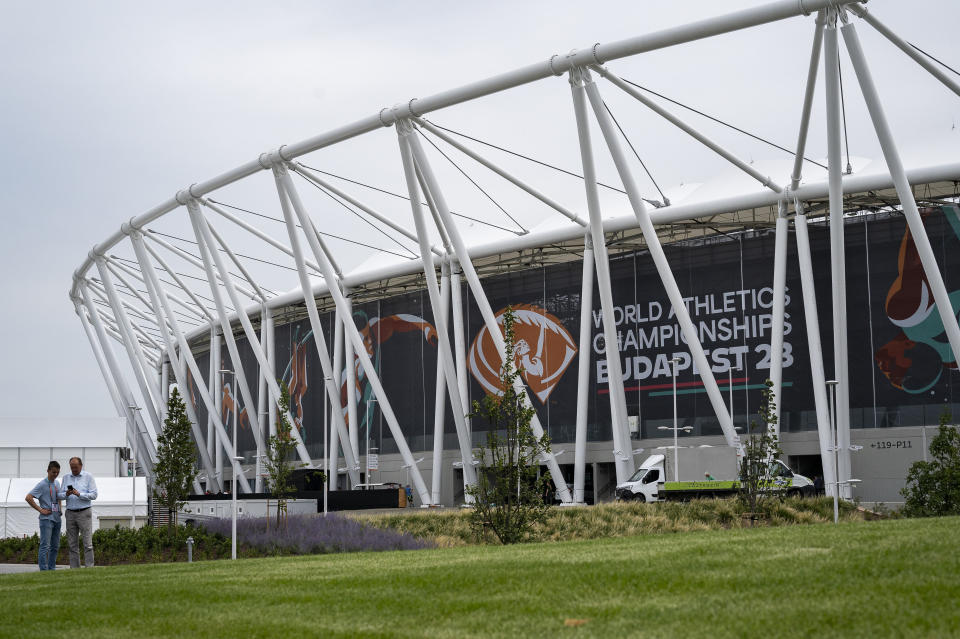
(699,301)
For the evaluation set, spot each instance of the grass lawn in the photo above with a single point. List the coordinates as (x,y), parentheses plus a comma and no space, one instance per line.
(889,578)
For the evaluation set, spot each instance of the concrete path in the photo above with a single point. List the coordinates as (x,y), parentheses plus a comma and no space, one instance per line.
(11,569)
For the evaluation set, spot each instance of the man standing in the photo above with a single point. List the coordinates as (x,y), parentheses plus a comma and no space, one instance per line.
(48,492)
(79,489)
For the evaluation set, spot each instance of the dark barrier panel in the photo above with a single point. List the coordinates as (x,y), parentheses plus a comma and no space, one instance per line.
(361,499)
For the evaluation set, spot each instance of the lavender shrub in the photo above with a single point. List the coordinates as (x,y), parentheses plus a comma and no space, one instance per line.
(310,534)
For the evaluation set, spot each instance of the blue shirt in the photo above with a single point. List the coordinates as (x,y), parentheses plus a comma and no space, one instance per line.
(84,484)
(47,493)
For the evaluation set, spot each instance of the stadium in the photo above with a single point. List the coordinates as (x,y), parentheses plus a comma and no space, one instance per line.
(644,316)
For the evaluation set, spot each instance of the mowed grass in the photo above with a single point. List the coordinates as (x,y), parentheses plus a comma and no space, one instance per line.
(887,578)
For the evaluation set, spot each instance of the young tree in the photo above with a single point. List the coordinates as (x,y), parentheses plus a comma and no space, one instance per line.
(176,465)
(508,495)
(933,487)
(760,450)
(279,466)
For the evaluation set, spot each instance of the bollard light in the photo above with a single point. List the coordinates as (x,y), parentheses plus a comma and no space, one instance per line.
(189,550)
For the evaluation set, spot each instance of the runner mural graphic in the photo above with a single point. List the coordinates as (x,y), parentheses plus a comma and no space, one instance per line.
(916,358)
(543,352)
(375,332)
(295,375)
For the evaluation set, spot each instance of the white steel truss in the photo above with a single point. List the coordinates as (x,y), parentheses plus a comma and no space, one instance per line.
(149,328)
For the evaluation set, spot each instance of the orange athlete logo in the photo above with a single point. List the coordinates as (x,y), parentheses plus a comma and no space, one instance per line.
(543,351)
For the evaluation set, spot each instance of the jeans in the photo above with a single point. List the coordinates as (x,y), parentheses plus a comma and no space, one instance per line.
(49,544)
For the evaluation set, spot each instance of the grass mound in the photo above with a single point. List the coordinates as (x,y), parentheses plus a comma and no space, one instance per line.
(452,527)
(859,579)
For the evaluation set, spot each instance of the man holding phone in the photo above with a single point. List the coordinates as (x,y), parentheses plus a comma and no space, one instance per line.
(48,492)
(79,489)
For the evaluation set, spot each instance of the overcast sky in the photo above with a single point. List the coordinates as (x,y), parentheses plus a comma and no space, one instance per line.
(109,108)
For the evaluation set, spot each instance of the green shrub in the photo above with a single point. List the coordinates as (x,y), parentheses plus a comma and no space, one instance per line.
(452,528)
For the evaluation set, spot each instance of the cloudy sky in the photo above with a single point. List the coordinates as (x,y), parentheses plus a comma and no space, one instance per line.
(109,108)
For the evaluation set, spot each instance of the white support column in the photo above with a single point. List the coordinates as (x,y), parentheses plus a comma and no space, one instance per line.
(440,394)
(838,267)
(179,282)
(161,306)
(233,258)
(779,300)
(262,398)
(319,181)
(686,128)
(289,192)
(95,346)
(444,238)
(807,102)
(254,231)
(152,236)
(335,442)
(132,346)
(272,366)
(904,192)
(440,312)
(213,449)
(223,449)
(573,217)
(618,401)
(126,283)
(187,355)
(350,365)
(120,266)
(144,340)
(101,363)
(139,432)
(463,256)
(209,253)
(700,362)
(460,341)
(332,389)
(905,46)
(815,352)
(164,384)
(585,348)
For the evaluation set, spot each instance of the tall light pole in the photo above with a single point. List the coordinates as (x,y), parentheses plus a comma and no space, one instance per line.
(326,456)
(676,450)
(835,448)
(406,467)
(730,389)
(832,387)
(236,463)
(133,462)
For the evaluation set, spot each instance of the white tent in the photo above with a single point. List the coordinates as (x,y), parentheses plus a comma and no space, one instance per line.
(112,506)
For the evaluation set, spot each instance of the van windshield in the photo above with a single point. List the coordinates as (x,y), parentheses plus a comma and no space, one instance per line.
(637,475)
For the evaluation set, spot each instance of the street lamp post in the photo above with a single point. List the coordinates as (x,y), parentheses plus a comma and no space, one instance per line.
(730,389)
(835,449)
(406,467)
(236,463)
(676,457)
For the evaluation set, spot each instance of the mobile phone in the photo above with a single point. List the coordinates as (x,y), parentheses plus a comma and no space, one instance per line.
(69,488)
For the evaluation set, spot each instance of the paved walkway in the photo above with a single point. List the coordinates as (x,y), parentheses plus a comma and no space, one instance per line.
(10,569)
